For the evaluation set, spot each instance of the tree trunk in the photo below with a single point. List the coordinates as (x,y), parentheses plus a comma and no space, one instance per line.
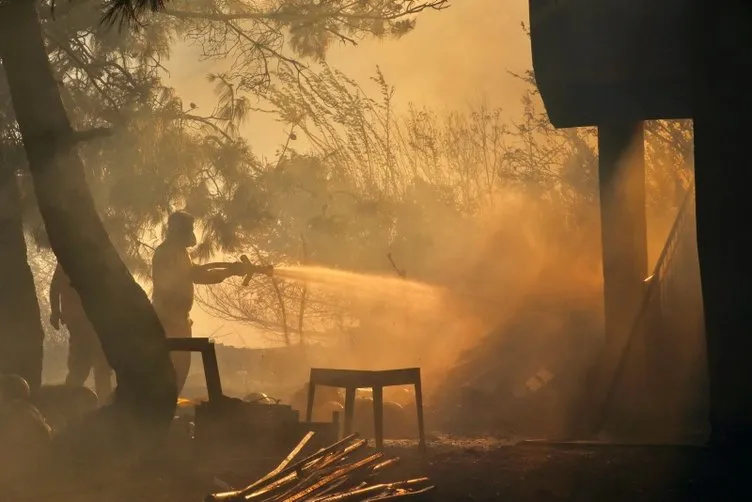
(21,333)
(120,311)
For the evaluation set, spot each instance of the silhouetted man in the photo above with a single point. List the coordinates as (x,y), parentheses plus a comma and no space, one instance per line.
(174,275)
(84,350)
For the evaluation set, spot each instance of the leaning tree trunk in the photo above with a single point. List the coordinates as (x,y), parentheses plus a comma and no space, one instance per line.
(132,337)
(21,333)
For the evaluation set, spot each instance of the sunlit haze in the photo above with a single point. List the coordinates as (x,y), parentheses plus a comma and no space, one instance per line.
(453,58)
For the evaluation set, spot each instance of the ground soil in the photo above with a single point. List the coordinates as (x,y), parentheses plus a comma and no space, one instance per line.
(463,470)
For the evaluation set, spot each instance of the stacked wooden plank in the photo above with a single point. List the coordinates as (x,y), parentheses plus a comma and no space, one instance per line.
(342,472)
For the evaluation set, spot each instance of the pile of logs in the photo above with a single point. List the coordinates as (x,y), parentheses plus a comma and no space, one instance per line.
(344,471)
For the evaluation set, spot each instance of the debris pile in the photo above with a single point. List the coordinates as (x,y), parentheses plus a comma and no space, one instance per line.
(526,378)
(343,471)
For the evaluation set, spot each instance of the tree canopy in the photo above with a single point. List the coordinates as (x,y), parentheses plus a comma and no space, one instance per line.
(149,152)
(363,179)
(168,154)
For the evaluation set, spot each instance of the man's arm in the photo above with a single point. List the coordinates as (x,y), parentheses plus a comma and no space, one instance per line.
(215,273)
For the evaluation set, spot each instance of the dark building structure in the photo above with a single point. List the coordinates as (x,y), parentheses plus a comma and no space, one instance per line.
(615,63)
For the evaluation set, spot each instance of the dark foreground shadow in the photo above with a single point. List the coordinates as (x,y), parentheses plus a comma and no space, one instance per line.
(523,473)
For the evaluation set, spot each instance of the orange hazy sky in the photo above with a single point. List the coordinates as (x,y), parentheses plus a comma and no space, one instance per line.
(453,57)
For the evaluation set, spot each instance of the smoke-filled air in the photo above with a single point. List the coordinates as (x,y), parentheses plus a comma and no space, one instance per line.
(296,187)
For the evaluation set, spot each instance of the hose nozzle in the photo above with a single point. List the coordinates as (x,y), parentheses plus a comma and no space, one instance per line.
(267,270)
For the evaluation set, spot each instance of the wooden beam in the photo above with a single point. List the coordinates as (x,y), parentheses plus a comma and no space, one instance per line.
(623,224)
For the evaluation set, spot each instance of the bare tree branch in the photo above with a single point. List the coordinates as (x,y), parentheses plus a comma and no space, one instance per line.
(89,134)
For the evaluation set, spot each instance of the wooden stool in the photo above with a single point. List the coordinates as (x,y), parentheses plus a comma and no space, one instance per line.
(208,357)
(351,380)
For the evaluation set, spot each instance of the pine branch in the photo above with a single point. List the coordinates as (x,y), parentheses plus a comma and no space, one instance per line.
(127,12)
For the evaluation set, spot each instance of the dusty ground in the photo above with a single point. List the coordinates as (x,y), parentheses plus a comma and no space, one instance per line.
(463,470)
(554,473)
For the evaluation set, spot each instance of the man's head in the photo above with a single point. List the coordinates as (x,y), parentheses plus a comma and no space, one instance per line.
(180,229)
